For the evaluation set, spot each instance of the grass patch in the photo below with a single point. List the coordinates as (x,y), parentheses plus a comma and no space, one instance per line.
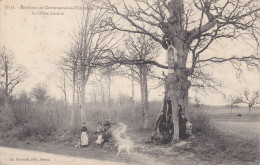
(212,142)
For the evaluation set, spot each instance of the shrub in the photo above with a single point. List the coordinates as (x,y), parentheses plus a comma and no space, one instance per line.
(40,132)
(37,130)
(7,119)
(200,122)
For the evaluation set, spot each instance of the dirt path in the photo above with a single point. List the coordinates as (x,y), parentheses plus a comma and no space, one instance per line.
(126,143)
(143,153)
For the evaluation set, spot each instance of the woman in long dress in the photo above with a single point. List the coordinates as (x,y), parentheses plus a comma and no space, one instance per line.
(99,131)
(84,136)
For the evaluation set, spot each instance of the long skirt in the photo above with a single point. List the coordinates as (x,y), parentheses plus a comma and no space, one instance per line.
(100,139)
(84,139)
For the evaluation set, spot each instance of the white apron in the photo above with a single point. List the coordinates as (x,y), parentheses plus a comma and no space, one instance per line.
(84,138)
(100,139)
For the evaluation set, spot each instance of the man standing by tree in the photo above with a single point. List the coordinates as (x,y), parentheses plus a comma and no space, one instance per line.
(182,123)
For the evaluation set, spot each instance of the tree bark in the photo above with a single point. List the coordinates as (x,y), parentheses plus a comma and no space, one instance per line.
(146,115)
(82,103)
(65,96)
(77,106)
(6,78)
(177,91)
(109,97)
(144,94)
(72,117)
(133,96)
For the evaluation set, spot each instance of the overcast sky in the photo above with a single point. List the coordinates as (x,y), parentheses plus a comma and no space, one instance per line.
(37,41)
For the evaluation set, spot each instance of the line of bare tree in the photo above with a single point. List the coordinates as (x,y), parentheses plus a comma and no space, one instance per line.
(89,45)
(249,98)
(35,109)
(11,73)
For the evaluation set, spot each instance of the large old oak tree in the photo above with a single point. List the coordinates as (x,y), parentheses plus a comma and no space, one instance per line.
(188,28)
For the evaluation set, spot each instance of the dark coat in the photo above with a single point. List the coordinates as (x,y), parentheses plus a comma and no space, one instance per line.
(107,125)
(182,122)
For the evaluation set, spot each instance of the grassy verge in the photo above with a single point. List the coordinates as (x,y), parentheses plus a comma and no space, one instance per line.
(212,142)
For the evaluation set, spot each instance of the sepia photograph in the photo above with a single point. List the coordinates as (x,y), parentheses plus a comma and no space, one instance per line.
(120,82)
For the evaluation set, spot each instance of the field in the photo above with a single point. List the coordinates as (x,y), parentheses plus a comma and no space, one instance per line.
(224,114)
(240,129)
(246,126)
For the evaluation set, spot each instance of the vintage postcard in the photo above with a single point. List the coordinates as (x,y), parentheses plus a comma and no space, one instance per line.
(129,82)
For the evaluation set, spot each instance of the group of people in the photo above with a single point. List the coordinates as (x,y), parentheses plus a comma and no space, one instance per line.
(103,134)
(165,126)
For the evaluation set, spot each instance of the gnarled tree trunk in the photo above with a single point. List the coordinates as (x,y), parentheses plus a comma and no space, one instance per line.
(177,84)
(176,99)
